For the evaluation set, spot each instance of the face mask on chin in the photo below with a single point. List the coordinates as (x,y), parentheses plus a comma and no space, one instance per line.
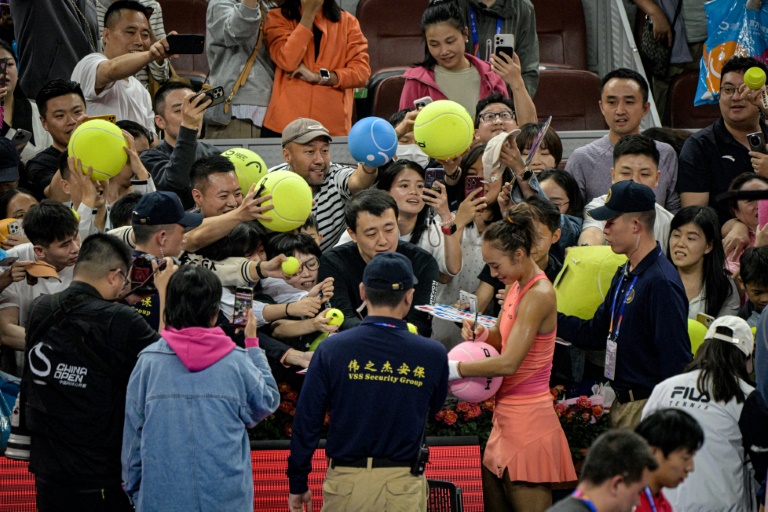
(413,153)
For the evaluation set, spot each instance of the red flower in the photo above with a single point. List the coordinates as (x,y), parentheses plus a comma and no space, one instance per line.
(283,386)
(584,402)
(288,429)
(451,417)
(440,415)
(462,406)
(560,409)
(489,404)
(597,411)
(292,396)
(327,419)
(287,408)
(586,416)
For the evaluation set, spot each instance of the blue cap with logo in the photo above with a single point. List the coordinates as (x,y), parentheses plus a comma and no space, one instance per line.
(163,207)
(389,271)
(625,197)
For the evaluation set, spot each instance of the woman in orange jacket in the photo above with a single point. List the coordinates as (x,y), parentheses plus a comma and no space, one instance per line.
(320,55)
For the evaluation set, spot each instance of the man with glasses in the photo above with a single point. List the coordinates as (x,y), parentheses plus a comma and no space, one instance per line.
(495,114)
(624,104)
(712,157)
(159,225)
(81,349)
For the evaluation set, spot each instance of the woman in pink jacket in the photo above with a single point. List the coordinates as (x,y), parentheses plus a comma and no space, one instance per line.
(449,73)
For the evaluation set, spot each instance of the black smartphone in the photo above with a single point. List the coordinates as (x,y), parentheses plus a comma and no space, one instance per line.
(756,142)
(432,175)
(186,44)
(216,95)
(8,261)
(504,43)
(472,183)
(21,137)
(243,303)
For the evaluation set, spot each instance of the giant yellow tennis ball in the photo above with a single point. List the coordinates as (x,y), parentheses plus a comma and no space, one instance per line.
(99,144)
(291,198)
(443,129)
(249,166)
(290,266)
(696,332)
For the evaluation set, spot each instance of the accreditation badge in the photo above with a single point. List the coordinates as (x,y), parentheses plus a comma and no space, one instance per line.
(611,348)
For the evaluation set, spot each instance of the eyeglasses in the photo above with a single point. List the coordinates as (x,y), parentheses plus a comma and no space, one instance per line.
(728,90)
(504,115)
(311,264)
(124,274)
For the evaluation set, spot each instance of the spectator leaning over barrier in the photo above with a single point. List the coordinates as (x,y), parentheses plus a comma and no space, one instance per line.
(81,349)
(107,78)
(307,152)
(624,104)
(321,56)
(195,371)
(179,113)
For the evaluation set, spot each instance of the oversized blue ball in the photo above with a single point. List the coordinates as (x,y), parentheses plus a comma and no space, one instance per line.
(372,141)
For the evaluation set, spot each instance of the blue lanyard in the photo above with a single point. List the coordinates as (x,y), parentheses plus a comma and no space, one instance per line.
(473,26)
(650,498)
(382,324)
(614,335)
(583,498)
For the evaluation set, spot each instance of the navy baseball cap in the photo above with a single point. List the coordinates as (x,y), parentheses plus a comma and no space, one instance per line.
(625,197)
(389,271)
(9,161)
(163,207)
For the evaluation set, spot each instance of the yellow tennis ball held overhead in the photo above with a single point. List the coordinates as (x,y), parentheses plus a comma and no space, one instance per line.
(443,129)
(99,144)
(291,199)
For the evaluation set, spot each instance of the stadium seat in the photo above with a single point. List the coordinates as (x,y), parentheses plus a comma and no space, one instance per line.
(444,497)
(562,33)
(571,97)
(386,100)
(187,17)
(682,113)
(393,30)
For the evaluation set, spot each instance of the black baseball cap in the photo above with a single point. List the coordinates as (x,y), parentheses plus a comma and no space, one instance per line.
(163,207)
(625,197)
(389,271)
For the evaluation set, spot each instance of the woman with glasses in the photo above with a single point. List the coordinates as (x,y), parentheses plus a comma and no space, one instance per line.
(447,72)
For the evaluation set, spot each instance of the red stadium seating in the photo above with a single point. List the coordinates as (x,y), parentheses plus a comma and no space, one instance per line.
(562,33)
(571,97)
(187,17)
(682,113)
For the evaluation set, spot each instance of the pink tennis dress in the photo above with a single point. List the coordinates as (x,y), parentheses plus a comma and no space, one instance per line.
(527,438)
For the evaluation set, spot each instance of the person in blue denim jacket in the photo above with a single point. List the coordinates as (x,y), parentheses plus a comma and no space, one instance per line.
(190,398)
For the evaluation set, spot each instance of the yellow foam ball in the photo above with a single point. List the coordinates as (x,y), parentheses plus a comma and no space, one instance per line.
(291,198)
(99,144)
(443,129)
(249,166)
(696,332)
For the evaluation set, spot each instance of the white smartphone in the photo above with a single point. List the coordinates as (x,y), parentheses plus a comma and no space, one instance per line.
(504,43)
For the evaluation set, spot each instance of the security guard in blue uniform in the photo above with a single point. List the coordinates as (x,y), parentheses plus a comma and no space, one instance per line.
(379,382)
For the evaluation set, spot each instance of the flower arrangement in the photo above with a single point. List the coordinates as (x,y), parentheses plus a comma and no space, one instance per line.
(463,419)
(279,425)
(583,419)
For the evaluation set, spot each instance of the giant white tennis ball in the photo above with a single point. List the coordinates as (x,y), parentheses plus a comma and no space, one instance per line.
(474,389)
(372,141)
(443,129)
(249,166)
(291,198)
(99,144)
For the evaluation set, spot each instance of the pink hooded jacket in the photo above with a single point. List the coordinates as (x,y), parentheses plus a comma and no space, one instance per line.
(420,82)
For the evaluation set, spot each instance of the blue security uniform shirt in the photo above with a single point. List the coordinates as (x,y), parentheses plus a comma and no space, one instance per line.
(379,382)
(653,342)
